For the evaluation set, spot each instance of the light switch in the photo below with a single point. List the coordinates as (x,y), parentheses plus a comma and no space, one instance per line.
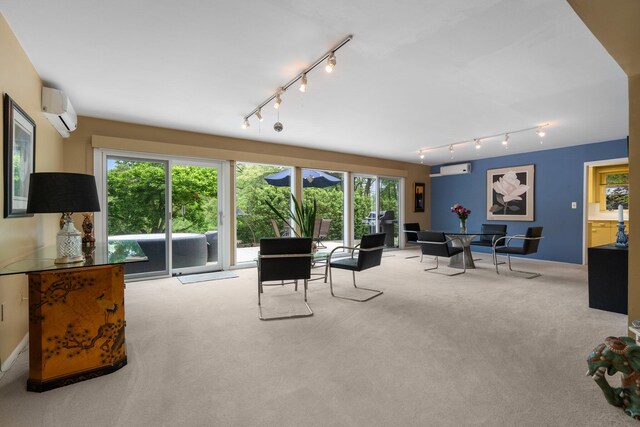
(574,205)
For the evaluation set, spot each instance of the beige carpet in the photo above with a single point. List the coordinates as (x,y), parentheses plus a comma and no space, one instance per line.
(476,349)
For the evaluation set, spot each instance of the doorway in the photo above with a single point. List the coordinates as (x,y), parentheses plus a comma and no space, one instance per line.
(170,206)
(605,189)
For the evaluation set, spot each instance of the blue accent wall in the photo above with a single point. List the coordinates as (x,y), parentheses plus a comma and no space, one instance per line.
(559,180)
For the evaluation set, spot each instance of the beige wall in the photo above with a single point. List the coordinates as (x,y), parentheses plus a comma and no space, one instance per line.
(634,200)
(615,25)
(97,133)
(19,236)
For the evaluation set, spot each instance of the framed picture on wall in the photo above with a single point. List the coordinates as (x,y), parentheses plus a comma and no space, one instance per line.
(510,193)
(19,158)
(418,191)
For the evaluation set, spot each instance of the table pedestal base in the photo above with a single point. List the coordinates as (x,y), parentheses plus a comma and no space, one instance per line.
(456,260)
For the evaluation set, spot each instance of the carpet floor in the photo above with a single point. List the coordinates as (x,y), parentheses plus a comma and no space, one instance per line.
(471,350)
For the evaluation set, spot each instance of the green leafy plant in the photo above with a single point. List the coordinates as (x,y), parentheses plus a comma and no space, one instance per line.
(303,216)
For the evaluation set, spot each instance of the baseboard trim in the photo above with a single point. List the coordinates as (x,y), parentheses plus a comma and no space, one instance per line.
(4,367)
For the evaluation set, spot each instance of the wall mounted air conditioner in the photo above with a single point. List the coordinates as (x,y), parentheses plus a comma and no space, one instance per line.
(58,109)
(455,169)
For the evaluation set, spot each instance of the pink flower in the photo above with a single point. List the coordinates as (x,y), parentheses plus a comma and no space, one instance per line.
(460,211)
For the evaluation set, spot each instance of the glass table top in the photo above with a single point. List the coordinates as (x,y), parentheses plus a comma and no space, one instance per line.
(114,252)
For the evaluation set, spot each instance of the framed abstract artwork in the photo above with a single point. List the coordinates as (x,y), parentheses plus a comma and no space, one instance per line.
(418,191)
(19,158)
(510,193)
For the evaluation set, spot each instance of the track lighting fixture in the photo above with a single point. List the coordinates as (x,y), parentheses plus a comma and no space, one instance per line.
(330,56)
(477,141)
(331,63)
(303,83)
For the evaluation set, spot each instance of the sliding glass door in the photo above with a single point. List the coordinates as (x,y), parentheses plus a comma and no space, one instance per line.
(376,207)
(171,207)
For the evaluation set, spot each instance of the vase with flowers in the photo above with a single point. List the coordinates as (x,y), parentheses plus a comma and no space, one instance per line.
(462,213)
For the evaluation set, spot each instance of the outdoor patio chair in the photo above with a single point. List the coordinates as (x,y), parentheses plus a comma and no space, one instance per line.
(286,231)
(369,255)
(437,244)
(323,232)
(531,241)
(280,259)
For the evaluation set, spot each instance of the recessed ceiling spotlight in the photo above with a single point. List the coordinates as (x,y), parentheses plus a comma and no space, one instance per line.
(245,124)
(331,63)
(303,83)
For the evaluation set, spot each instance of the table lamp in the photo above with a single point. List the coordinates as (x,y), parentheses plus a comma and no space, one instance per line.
(65,193)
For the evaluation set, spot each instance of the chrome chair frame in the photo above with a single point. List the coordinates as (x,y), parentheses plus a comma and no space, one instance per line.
(449,239)
(412,242)
(508,239)
(328,266)
(261,285)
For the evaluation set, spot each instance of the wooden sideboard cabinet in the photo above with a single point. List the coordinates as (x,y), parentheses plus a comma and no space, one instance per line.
(76,314)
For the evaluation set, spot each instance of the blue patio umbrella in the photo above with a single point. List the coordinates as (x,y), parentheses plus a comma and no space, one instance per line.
(310,178)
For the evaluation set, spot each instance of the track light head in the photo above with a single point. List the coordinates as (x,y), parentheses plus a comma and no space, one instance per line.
(246,123)
(303,83)
(477,144)
(421,155)
(540,132)
(505,141)
(276,104)
(331,63)
(259,115)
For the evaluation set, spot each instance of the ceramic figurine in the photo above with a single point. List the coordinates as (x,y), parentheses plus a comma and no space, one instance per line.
(618,354)
(88,241)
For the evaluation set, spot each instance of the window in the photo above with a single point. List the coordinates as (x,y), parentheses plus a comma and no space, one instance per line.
(616,190)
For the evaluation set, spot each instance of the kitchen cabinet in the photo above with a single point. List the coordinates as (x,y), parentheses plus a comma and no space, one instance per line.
(603,232)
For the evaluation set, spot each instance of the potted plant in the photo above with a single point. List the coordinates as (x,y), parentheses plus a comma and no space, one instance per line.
(303,216)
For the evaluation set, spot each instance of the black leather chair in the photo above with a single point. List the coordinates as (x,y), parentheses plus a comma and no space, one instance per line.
(531,241)
(490,233)
(369,255)
(284,258)
(436,244)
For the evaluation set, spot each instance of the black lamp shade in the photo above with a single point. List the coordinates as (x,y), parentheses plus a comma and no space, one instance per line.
(58,192)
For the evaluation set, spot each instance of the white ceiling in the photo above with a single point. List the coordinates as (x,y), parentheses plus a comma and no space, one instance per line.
(417,74)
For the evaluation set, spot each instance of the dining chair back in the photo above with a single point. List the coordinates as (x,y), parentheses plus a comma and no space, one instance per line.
(284,258)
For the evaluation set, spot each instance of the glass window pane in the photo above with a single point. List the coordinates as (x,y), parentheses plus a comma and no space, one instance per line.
(253,215)
(327,188)
(136,209)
